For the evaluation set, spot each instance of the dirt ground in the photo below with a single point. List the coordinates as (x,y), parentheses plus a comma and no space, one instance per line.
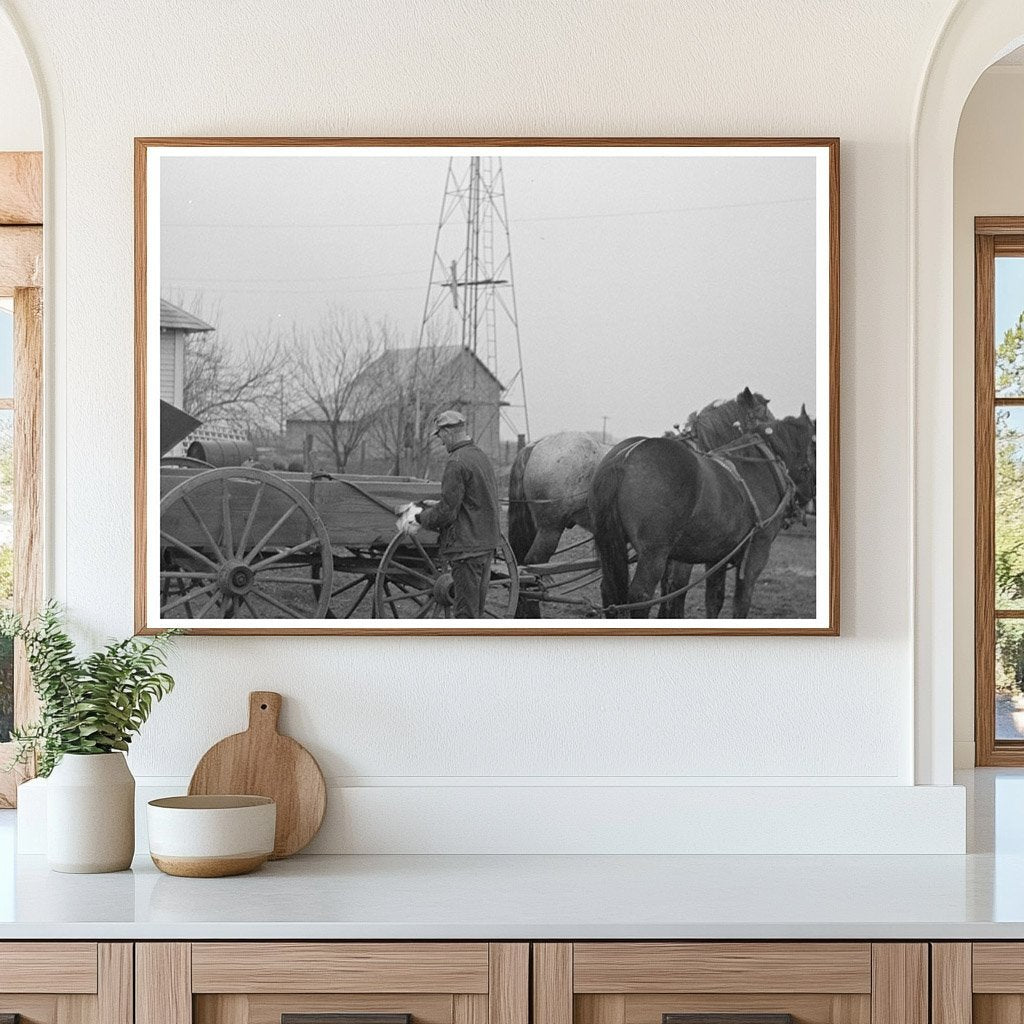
(785,590)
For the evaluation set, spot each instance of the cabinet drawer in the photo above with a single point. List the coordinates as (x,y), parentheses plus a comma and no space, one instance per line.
(66,967)
(730,983)
(340,967)
(332,983)
(633,967)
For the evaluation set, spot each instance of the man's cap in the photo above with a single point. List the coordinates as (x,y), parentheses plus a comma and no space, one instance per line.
(449,418)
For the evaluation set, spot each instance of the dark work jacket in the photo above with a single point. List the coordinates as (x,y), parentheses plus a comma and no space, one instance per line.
(467,514)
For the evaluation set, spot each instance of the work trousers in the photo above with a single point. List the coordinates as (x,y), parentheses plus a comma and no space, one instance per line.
(471,577)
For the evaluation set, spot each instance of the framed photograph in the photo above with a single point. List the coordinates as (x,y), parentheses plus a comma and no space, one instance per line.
(500,386)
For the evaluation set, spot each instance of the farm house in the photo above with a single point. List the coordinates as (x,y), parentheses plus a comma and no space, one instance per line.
(176,325)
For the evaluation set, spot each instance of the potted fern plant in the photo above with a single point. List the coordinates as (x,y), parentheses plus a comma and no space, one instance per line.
(90,707)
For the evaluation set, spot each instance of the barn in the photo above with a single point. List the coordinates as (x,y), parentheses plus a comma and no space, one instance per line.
(393,403)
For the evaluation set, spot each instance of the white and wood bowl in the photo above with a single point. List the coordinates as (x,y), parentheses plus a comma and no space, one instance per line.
(211,836)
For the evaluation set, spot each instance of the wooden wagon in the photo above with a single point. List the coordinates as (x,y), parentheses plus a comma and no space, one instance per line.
(244,542)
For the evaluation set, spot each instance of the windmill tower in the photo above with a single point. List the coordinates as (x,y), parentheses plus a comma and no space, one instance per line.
(472,288)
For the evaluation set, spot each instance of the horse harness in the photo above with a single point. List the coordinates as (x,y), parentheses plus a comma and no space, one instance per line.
(726,459)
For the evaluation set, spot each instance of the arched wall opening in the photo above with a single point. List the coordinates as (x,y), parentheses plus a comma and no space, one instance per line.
(976,34)
(989,154)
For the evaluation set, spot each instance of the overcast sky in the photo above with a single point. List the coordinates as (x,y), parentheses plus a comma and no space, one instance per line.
(646,286)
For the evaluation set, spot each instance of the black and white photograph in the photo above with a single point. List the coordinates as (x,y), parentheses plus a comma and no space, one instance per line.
(453,386)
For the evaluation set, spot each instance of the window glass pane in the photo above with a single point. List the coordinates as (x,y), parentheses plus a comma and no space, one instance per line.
(6,353)
(6,567)
(1009,511)
(1009,679)
(1009,327)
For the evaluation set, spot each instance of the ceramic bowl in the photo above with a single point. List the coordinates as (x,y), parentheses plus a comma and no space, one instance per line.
(211,836)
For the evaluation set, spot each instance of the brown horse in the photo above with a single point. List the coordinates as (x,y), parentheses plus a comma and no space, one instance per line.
(717,426)
(676,504)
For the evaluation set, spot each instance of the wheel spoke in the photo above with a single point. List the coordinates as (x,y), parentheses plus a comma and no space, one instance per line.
(225,507)
(367,584)
(409,595)
(214,546)
(350,586)
(167,575)
(180,545)
(270,533)
(252,611)
(250,519)
(422,613)
(423,552)
(267,562)
(403,568)
(306,581)
(273,602)
(201,614)
(391,607)
(189,595)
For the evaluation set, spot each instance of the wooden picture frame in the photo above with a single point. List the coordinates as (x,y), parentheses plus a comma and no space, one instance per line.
(168,584)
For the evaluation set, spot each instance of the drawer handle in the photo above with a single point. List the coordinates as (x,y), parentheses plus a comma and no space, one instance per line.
(339,1018)
(727,1018)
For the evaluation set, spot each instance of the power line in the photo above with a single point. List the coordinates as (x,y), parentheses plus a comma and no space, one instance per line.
(309,291)
(517,220)
(332,277)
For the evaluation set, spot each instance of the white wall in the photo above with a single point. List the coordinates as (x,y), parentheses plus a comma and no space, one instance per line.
(21,127)
(425,715)
(988,182)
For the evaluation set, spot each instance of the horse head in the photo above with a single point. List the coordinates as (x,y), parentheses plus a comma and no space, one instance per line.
(792,440)
(753,408)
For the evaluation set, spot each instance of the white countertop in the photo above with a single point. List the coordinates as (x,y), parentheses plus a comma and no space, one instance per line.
(497,897)
(977,896)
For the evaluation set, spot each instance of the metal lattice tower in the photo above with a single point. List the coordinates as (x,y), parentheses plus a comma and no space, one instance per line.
(472,287)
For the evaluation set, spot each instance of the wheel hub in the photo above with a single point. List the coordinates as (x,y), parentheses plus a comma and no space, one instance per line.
(236,578)
(444,590)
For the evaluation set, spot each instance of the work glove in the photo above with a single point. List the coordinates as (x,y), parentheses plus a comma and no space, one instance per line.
(407,523)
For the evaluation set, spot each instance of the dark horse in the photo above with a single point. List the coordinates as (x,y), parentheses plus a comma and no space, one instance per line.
(674,503)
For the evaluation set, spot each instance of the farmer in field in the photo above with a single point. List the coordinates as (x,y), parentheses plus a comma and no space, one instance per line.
(466,517)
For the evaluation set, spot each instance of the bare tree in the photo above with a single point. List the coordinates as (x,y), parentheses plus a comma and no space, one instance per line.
(232,381)
(328,374)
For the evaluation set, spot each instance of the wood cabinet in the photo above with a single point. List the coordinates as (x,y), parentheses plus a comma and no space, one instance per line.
(978,982)
(512,983)
(378,982)
(66,982)
(753,982)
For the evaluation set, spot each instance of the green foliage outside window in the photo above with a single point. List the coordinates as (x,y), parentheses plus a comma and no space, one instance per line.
(1009,510)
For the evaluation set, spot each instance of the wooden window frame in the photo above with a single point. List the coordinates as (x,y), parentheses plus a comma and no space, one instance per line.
(21,278)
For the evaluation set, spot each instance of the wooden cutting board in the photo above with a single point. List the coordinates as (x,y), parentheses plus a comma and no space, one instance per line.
(262,762)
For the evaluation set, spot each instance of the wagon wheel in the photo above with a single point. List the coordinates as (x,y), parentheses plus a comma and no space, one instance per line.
(248,563)
(412,583)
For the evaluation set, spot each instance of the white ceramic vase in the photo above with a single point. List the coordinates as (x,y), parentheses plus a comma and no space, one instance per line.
(90,814)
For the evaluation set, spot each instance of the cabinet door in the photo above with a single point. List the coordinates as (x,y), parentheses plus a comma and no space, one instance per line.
(66,982)
(980,982)
(730,983)
(332,983)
